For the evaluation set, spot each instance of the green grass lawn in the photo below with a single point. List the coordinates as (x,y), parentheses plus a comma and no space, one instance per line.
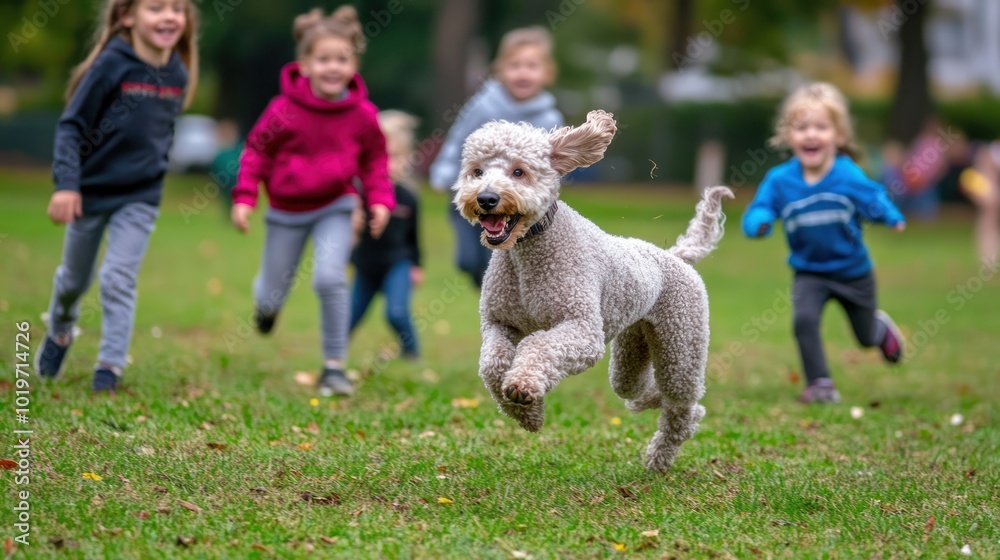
(215,450)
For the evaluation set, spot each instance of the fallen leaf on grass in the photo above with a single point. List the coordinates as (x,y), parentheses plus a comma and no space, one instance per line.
(929,526)
(189,506)
(329,540)
(8,547)
(793,377)
(217,446)
(465,403)
(91,476)
(305,446)
(76,412)
(8,464)
(620,547)
(519,554)
(970,473)
(626,493)
(427,434)
(159,488)
(164,510)
(261,548)
(186,541)
(718,475)
(443,500)
(332,499)
(312,428)
(143,515)
(653,533)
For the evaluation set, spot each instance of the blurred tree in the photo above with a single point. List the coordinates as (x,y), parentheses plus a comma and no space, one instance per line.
(455,26)
(912,102)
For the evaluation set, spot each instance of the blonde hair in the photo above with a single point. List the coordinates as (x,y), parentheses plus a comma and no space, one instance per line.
(110,25)
(400,128)
(812,96)
(312,26)
(514,39)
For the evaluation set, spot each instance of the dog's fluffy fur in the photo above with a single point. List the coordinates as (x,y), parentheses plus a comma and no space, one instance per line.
(552,302)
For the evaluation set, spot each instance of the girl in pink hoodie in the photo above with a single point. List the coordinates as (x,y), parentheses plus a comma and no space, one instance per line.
(307,149)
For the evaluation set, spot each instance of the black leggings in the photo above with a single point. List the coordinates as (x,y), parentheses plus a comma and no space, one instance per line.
(810,292)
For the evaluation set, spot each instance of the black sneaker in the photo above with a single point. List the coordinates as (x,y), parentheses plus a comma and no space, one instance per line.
(820,390)
(334,382)
(50,357)
(105,381)
(265,323)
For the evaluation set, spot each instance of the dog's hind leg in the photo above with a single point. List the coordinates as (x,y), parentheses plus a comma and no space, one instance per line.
(631,369)
(679,359)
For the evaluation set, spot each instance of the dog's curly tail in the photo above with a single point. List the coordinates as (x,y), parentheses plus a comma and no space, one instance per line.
(705,229)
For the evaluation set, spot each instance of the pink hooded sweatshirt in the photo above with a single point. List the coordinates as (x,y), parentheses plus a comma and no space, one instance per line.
(307,150)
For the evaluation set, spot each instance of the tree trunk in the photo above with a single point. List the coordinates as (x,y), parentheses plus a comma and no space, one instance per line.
(457,22)
(912,103)
(681,25)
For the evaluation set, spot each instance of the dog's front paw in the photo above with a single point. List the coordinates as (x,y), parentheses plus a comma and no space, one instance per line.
(522,392)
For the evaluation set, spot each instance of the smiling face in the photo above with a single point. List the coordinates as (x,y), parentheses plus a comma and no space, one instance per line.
(511,173)
(330,65)
(525,71)
(155,27)
(506,183)
(814,138)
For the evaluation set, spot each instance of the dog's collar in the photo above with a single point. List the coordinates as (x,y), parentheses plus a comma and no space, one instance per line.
(543,224)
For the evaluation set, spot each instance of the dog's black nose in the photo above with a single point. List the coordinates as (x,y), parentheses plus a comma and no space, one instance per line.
(488,200)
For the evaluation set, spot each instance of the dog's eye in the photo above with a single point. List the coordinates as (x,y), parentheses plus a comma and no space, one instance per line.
(518,173)
(478,172)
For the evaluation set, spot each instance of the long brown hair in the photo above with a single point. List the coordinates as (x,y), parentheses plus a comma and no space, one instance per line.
(110,25)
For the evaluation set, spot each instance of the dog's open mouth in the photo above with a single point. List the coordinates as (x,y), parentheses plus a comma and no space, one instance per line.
(498,226)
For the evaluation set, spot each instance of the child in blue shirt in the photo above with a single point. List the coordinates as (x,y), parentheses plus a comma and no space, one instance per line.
(821,196)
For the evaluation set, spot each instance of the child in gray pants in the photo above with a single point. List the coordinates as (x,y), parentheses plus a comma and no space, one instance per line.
(108,170)
(307,149)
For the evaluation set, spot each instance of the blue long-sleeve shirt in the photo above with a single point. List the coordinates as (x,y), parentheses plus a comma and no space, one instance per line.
(822,222)
(112,140)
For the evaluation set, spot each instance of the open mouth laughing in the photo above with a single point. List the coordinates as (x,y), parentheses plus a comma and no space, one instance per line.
(498,227)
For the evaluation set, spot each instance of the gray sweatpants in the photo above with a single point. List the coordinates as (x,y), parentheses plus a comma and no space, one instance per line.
(129,229)
(287,232)
(810,292)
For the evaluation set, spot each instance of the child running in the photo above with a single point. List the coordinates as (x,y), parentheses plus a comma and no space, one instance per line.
(821,196)
(391,264)
(307,148)
(522,70)
(111,149)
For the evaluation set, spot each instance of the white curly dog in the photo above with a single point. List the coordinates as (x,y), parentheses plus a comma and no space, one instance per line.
(558,289)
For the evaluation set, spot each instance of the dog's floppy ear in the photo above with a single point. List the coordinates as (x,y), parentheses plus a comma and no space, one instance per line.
(584,145)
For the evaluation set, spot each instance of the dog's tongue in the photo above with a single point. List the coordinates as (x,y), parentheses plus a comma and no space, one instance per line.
(492,223)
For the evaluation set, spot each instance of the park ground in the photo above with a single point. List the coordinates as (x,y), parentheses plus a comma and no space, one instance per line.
(217,448)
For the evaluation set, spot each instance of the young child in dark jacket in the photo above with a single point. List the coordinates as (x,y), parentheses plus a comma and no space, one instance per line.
(391,264)
(111,149)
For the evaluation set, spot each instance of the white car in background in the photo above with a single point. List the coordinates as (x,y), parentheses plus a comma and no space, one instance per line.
(195,144)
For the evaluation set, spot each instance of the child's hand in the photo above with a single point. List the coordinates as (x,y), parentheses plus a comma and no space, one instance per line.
(901,226)
(358,221)
(65,206)
(416,276)
(241,215)
(380,219)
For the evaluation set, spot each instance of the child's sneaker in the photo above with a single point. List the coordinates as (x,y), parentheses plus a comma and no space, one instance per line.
(893,344)
(334,382)
(105,381)
(820,390)
(50,357)
(264,322)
